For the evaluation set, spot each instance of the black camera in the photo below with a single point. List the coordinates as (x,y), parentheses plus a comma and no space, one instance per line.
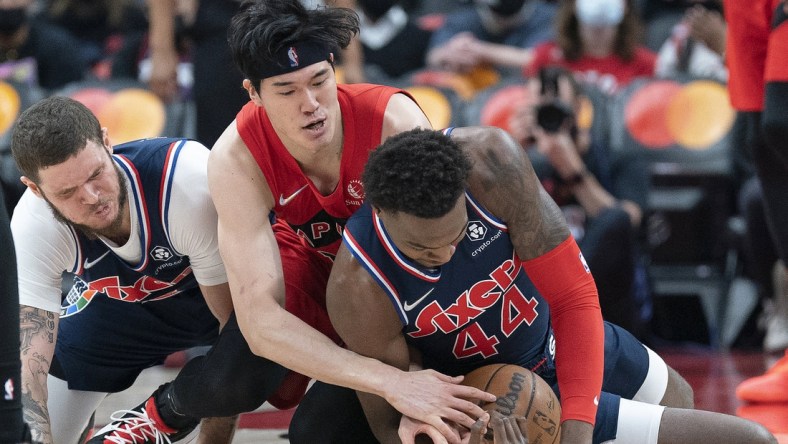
(552,114)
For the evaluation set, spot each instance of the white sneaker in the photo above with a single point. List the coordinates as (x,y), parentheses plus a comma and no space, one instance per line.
(776,338)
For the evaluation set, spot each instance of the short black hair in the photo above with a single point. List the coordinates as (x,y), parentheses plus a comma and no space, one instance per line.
(263,28)
(418,172)
(50,132)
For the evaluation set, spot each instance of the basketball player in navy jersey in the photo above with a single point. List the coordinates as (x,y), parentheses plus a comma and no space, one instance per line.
(460,259)
(135,226)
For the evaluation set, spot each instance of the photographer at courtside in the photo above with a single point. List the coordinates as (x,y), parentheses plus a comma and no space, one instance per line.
(602,196)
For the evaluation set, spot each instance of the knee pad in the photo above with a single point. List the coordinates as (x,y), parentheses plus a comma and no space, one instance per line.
(656,383)
(638,423)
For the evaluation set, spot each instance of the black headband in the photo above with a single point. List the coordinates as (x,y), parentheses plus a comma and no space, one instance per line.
(294,57)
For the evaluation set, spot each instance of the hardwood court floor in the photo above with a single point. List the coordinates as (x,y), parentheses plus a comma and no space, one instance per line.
(713,375)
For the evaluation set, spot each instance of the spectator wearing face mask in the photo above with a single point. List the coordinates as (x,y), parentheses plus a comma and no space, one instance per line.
(386,29)
(35,52)
(491,32)
(696,46)
(599,41)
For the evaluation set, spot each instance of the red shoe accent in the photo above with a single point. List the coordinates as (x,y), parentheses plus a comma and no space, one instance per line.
(772,416)
(153,414)
(770,387)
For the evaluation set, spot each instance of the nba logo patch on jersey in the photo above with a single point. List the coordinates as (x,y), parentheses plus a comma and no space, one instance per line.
(293,56)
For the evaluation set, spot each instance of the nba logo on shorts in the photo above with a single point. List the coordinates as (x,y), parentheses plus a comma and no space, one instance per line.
(585,264)
(293,56)
(8,388)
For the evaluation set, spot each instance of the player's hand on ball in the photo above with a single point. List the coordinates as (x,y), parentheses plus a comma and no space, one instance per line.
(438,400)
(499,430)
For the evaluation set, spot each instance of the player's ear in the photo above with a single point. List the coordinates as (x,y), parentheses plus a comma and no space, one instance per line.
(254,96)
(105,139)
(32,185)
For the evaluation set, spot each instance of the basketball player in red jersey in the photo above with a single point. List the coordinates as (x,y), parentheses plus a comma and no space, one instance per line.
(284,176)
(296,152)
(756,52)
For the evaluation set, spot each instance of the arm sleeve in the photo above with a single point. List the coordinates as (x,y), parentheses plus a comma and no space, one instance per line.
(563,278)
(192,216)
(45,248)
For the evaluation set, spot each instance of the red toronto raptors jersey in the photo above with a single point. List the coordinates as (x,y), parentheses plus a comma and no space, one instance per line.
(317,219)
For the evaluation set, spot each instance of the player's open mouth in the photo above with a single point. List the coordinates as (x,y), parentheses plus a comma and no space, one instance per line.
(316,125)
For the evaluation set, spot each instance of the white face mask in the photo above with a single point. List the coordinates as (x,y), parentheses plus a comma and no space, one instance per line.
(600,12)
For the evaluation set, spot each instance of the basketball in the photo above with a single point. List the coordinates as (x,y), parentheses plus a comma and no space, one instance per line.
(522,393)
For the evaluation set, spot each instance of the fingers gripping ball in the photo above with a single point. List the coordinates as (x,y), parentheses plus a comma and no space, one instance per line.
(521,393)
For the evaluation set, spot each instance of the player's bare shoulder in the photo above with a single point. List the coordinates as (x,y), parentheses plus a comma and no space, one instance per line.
(228,148)
(498,160)
(233,173)
(402,114)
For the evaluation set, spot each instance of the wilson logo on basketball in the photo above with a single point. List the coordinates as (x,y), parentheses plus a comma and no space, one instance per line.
(507,403)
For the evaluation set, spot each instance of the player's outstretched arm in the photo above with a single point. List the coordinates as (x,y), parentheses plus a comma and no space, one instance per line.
(37,333)
(254,271)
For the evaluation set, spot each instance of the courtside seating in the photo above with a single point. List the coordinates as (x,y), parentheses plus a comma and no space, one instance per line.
(128,109)
(683,128)
(439,104)
(15,97)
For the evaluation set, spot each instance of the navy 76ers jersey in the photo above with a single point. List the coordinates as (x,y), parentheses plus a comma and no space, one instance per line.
(119,318)
(161,272)
(478,308)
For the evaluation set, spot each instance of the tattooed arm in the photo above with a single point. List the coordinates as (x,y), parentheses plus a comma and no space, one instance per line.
(503,181)
(37,333)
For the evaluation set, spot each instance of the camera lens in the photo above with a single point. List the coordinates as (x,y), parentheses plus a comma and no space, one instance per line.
(551,116)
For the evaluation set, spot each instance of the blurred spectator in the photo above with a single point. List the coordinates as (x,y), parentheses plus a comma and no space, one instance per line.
(497,32)
(35,52)
(217,91)
(217,84)
(603,197)
(110,32)
(391,40)
(660,16)
(696,46)
(765,266)
(758,86)
(598,40)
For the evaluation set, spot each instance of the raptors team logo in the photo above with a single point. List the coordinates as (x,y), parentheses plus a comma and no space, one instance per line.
(293,56)
(476,230)
(160,254)
(355,189)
